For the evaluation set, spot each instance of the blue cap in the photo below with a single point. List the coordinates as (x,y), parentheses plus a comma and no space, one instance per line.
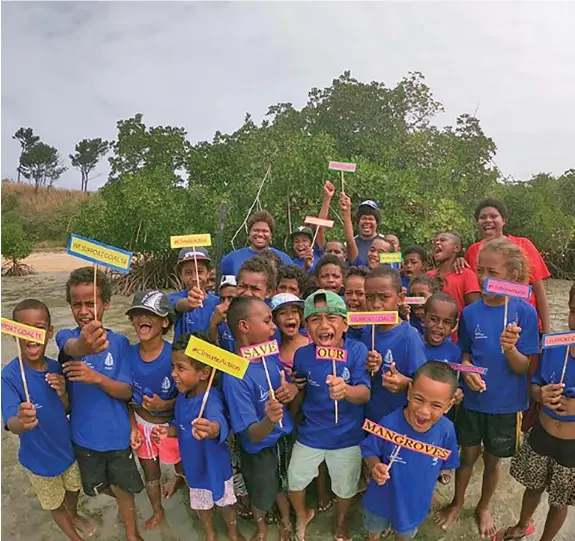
(284,299)
(189,254)
(369,203)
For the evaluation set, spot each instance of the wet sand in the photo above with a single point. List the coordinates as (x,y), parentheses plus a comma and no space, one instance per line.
(23,519)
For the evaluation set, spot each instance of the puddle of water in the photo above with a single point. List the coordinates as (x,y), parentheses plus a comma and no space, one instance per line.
(23,519)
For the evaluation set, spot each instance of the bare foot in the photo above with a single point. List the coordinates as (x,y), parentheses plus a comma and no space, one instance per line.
(85,527)
(154,520)
(301,525)
(137,538)
(446,517)
(485,523)
(235,536)
(171,486)
(210,536)
(259,536)
(342,533)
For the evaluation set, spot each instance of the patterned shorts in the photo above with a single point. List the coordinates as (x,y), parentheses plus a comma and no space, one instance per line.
(538,472)
(202,499)
(239,483)
(52,490)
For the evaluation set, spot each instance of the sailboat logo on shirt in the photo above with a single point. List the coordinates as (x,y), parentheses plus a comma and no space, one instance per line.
(166,384)
(109,362)
(311,381)
(388,358)
(479,333)
(345,374)
(264,394)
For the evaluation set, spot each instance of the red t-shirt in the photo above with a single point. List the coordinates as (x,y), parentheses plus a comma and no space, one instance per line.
(458,285)
(537,268)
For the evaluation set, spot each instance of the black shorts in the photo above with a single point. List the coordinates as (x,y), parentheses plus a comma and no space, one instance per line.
(499,432)
(102,469)
(265,473)
(544,444)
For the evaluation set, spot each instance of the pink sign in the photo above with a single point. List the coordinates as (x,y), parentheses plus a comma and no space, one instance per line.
(414,300)
(342,166)
(372,318)
(507,289)
(323,222)
(558,339)
(336,354)
(469,368)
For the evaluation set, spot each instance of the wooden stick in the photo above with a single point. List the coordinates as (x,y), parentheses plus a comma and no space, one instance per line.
(565,364)
(205,399)
(272,394)
(393,457)
(372,344)
(335,401)
(95,292)
(505,316)
(342,183)
(22,371)
(197,275)
(315,236)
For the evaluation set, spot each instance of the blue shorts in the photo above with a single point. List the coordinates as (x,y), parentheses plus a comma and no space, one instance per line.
(375,524)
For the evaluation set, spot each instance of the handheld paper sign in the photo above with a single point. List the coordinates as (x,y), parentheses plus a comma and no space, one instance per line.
(390,257)
(260,350)
(217,358)
(372,318)
(342,166)
(507,289)
(323,222)
(100,253)
(335,354)
(19,330)
(558,339)
(191,241)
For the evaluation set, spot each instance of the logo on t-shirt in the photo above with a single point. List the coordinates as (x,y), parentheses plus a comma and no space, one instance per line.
(166,384)
(479,334)
(388,358)
(311,381)
(264,394)
(345,374)
(109,362)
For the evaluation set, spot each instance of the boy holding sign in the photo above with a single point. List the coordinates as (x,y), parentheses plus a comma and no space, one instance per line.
(97,367)
(389,501)
(328,433)
(202,431)
(46,450)
(488,423)
(194,306)
(396,350)
(260,417)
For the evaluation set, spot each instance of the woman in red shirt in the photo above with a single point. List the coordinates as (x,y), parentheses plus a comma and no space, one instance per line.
(490,216)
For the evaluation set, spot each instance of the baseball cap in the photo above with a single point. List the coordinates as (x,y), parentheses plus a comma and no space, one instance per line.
(303,230)
(228,280)
(187,254)
(153,301)
(284,299)
(369,203)
(334,304)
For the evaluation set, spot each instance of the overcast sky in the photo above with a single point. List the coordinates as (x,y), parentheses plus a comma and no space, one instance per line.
(71,70)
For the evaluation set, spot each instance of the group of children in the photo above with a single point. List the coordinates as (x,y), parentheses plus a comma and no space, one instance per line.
(254,445)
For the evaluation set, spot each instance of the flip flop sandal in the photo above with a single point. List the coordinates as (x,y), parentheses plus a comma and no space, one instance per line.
(444,478)
(245,513)
(504,535)
(326,507)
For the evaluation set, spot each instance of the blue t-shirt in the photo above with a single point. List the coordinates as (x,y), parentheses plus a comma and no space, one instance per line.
(405,499)
(355,333)
(549,371)
(318,428)
(447,352)
(226,338)
(404,281)
(45,450)
(480,328)
(153,377)
(98,421)
(317,253)
(246,399)
(401,345)
(417,324)
(207,463)
(197,320)
(363,247)
(232,262)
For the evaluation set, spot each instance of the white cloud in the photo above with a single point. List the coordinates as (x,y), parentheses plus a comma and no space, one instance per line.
(71,70)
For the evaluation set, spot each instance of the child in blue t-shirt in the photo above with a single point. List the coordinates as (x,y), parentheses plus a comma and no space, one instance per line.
(398,351)
(227,291)
(329,272)
(414,264)
(154,395)
(97,367)
(399,495)
(193,305)
(319,437)
(546,460)
(291,279)
(46,450)
(202,440)
(424,286)
(303,237)
(488,421)
(354,297)
(259,416)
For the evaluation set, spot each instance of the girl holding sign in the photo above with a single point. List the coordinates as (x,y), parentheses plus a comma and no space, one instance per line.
(489,420)
(546,460)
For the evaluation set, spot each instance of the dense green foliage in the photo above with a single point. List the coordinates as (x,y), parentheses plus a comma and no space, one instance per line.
(16,245)
(86,156)
(425,178)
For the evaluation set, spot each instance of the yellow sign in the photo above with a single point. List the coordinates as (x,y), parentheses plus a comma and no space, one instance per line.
(19,330)
(190,241)
(390,257)
(216,357)
(99,253)
(260,350)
